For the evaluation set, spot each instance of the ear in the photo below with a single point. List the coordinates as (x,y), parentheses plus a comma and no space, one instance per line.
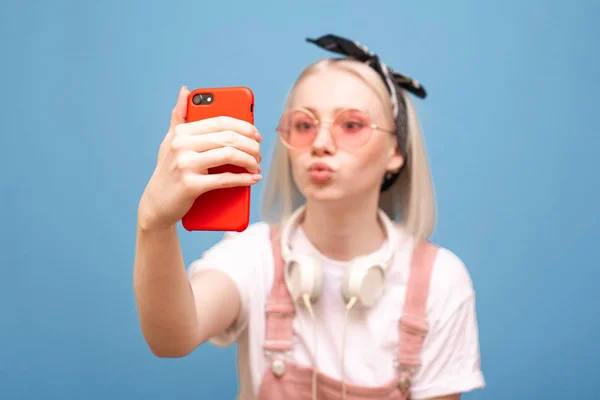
(395,161)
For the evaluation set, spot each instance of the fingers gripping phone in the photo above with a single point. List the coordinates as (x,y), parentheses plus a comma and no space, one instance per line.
(225,209)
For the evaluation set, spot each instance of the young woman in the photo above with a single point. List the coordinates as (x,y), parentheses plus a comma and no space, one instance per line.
(337,294)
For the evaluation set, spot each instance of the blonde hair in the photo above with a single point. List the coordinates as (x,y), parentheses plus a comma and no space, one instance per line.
(410,200)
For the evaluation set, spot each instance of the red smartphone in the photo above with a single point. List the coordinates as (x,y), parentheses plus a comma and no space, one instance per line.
(220,209)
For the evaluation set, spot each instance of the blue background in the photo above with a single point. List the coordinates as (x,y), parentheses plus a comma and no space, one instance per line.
(511,126)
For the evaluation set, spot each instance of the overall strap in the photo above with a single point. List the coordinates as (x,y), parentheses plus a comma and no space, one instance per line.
(413,323)
(280,310)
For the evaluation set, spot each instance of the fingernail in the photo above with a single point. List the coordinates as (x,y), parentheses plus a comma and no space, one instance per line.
(256,177)
(258,136)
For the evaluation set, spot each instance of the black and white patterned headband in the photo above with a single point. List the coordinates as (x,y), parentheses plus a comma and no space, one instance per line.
(391,78)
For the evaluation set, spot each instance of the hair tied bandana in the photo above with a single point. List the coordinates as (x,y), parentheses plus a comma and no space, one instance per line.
(358,51)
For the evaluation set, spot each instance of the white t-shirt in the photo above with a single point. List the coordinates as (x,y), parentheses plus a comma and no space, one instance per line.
(450,356)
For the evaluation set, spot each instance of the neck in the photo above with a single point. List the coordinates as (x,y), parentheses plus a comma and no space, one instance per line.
(344,231)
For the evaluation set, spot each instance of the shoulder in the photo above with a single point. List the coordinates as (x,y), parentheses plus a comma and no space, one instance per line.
(247,247)
(450,275)
(450,284)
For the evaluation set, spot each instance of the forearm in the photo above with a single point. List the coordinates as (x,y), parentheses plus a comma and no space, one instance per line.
(164,298)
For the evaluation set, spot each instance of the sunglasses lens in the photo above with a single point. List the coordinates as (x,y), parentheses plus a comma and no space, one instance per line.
(352,129)
(298,128)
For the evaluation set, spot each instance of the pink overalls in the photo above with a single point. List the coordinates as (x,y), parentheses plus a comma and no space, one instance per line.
(285,380)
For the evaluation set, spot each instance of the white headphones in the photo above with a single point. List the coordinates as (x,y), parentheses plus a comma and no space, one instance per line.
(364,279)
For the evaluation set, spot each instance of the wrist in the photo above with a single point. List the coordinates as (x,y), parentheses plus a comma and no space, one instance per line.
(148,221)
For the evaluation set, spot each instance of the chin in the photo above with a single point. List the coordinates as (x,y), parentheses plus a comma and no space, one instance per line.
(327,192)
(324,194)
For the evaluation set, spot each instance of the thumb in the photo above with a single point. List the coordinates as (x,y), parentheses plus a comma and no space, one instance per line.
(180,110)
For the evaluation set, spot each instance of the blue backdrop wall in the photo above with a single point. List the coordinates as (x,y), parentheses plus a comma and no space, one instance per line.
(511,126)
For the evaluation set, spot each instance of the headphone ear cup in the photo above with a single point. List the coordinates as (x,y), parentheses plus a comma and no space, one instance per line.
(364,280)
(304,275)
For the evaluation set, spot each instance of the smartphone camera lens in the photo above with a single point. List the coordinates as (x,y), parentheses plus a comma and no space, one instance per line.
(197,99)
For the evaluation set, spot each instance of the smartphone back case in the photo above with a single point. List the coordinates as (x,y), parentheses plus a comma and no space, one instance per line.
(221,209)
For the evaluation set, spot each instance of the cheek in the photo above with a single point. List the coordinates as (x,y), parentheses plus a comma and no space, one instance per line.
(296,159)
(372,156)
(372,161)
(298,163)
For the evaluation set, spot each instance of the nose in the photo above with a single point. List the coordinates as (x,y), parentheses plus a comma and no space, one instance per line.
(323,143)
